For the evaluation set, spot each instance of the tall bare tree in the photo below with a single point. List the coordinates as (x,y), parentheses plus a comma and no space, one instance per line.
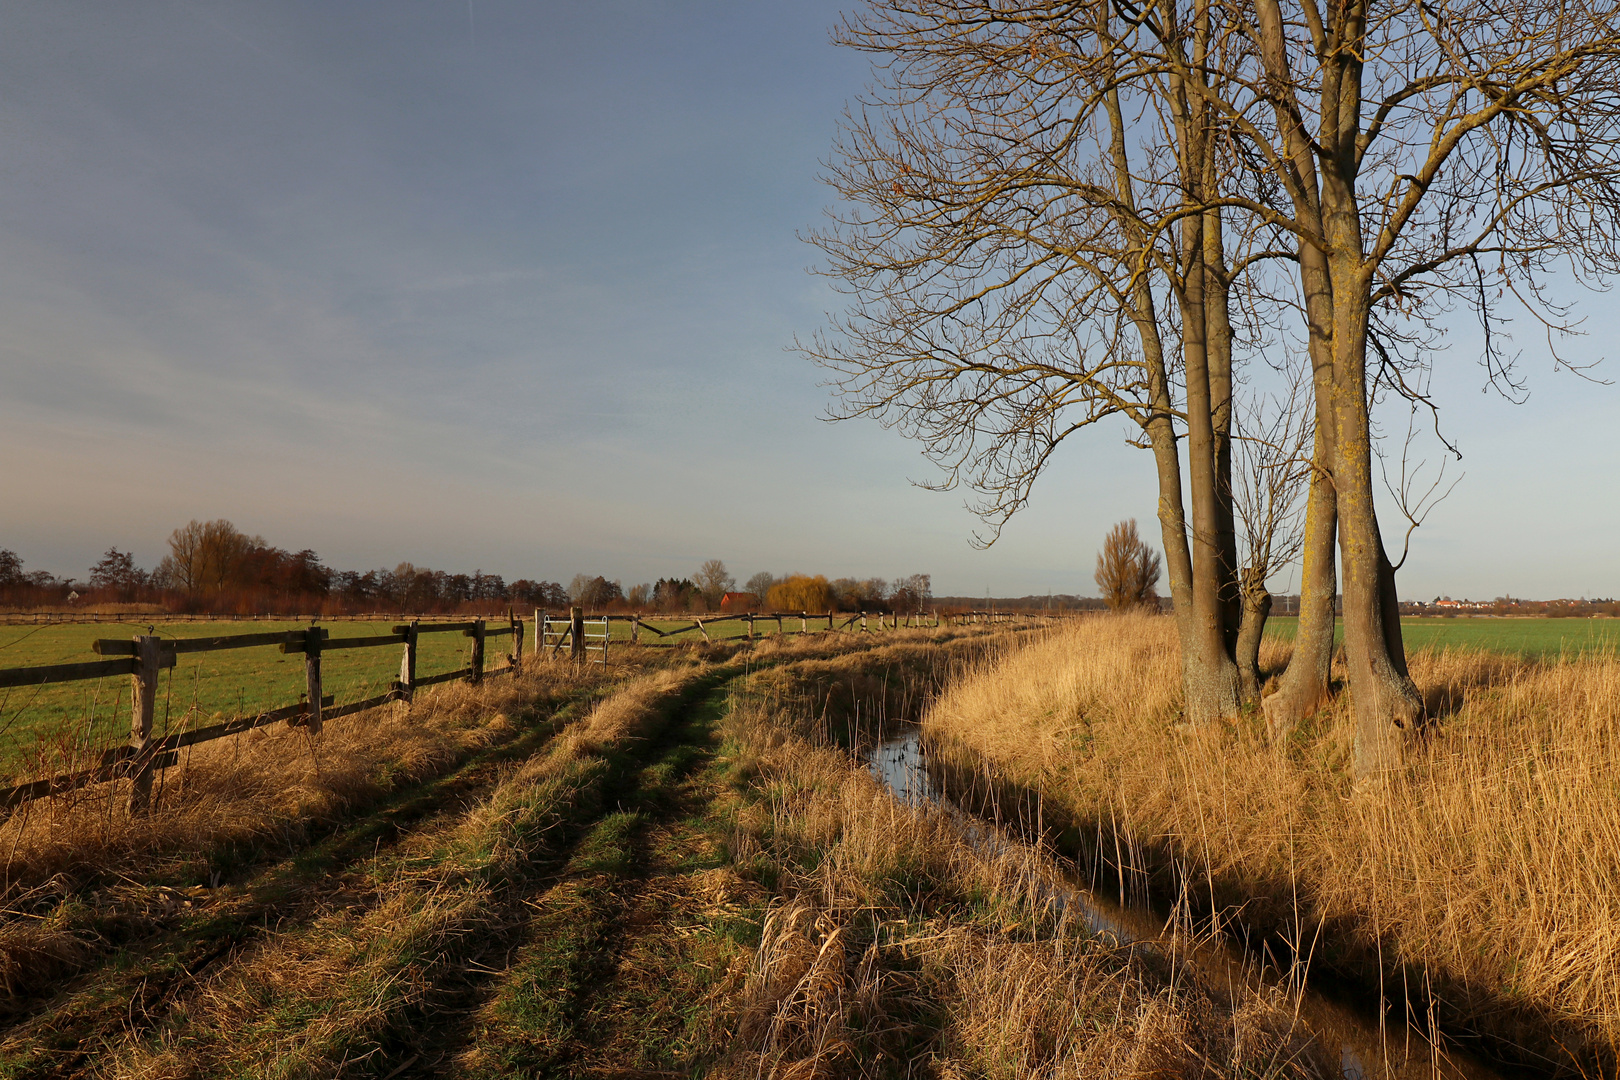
(1034,243)
(1054,202)
(1426,156)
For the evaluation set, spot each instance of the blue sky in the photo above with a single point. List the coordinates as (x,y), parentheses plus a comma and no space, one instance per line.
(509,285)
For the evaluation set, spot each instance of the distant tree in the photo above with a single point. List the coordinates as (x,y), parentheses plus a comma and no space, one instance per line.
(760,584)
(11,571)
(639,596)
(547,595)
(911,594)
(117,573)
(674,594)
(714,581)
(798,592)
(594,593)
(1127,569)
(208,557)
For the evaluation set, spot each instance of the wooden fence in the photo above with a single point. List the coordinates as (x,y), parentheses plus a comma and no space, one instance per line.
(143,657)
(584,634)
(124,618)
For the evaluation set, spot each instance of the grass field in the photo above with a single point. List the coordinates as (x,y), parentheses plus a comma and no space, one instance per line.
(41,722)
(661,870)
(201,686)
(1529,638)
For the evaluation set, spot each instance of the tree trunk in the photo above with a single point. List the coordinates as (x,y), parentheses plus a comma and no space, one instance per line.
(1210,674)
(1256,608)
(1218,324)
(1305,684)
(1387,703)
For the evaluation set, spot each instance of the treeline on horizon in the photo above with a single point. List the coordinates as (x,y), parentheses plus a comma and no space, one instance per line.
(214,568)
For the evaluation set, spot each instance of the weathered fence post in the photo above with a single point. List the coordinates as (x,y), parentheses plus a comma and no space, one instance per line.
(407,664)
(804,622)
(750,626)
(635,629)
(863,622)
(312,676)
(517,639)
(144,708)
(576,631)
(477,652)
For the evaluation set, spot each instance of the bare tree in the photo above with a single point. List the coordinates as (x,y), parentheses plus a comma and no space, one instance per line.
(206,556)
(1036,244)
(760,584)
(1273,436)
(1424,157)
(1055,201)
(1127,570)
(714,581)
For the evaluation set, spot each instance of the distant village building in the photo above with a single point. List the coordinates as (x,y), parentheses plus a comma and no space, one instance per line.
(733,603)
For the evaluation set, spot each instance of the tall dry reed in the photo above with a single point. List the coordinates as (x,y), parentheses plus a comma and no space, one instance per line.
(1488,874)
(900,945)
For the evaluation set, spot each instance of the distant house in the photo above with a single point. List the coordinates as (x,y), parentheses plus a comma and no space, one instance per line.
(734,603)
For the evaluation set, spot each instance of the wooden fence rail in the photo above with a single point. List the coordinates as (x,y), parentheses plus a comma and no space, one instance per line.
(144,656)
(147,654)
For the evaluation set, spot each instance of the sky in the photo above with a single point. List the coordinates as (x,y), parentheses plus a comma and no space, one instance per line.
(512,287)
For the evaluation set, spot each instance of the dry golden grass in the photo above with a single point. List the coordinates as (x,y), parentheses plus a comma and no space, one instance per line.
(313,1001)
(898,945)
(272,785)
(1490,868)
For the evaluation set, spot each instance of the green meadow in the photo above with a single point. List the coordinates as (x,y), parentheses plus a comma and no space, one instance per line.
(202,687)
(1528,637)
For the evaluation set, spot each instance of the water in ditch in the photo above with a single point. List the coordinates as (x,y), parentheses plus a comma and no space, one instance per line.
(1368,1046)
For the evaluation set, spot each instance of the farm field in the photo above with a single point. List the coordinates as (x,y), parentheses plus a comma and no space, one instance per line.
(1526,637)
(201,686)
(675,868)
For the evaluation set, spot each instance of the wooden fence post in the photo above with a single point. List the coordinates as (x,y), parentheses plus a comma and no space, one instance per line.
(407,664)
(477,652)
(863,622)
(517,639)
(750,626)
(576,629)
(312,676)
(635,629)
(144,708)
